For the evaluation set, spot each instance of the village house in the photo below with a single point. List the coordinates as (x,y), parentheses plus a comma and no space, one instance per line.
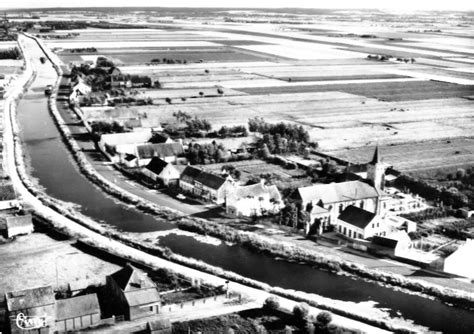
(16,225)
(80,88)
(134,293)
(77,313)
(206,185)
(254,200)
(357,223)
(460,262)
(38,302)
(161,171)
(169,152)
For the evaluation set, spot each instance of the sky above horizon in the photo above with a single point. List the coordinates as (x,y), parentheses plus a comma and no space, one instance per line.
(402,5)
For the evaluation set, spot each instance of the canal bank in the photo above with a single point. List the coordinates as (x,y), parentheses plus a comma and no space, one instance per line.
(277,273)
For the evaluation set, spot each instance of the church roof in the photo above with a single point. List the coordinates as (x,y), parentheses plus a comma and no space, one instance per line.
(337,192)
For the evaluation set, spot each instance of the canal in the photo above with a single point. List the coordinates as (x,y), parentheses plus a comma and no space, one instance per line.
(52,166)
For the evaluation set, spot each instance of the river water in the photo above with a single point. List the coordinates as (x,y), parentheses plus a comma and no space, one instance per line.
(53,167)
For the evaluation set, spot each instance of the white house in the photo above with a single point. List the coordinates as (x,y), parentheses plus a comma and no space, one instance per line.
(460,262)
(357,223)
(254,200)
(161,171)
(79,89)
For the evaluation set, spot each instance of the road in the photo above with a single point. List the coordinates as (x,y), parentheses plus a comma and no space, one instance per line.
(32,53)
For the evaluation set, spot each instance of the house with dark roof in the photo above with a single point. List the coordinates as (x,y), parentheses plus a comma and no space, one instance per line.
(335,197)
(169,152)
(134,293)
(77,313)
(34,302)
(209,186)
(357,223)
(161,171)
(254,200)
(16,225)
(159,326)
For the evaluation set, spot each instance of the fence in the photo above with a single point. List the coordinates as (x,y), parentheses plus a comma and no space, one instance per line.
(207,301)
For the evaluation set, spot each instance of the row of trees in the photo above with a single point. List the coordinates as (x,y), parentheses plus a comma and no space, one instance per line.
(229,131)
(12,53)
(81,50)
(206,153)
(291,132)
(169,61)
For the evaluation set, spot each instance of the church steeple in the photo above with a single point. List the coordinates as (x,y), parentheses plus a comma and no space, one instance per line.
(376,158)
(376,170)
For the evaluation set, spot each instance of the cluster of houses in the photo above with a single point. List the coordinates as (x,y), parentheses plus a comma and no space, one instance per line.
(130,291)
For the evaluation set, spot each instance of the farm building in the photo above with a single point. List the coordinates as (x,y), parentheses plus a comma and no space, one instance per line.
(254,200)
(123,143)
(17,225)
(393,244)
(205,185)
(135,294)
(77,313)
(161,171)
(31,302)
(357,223)
(78,90)
(460,262)
(169,152)
(335,197)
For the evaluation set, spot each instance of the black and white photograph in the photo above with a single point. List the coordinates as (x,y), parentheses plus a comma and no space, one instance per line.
(236,167)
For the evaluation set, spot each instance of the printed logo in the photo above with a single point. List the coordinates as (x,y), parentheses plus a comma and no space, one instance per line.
(33,322)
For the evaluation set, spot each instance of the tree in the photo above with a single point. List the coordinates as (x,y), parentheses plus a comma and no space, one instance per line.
(301,314)
(265,152)
(303,218)
(323,322)
(271,304)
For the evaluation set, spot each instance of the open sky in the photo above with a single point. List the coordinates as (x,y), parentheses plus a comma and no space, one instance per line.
(402,5)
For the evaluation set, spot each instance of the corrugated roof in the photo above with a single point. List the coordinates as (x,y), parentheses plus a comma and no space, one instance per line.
(77,306)
(356,216)
(337,192)
(162,150)
(159,324)
(28,298)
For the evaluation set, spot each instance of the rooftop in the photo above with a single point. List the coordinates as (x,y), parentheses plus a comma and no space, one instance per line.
(77,306)
(356,216)
(337,192)
(29,298)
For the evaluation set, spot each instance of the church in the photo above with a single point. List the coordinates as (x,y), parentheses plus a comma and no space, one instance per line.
(326,202)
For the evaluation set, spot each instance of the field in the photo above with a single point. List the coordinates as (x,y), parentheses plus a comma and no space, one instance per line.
(316,75)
